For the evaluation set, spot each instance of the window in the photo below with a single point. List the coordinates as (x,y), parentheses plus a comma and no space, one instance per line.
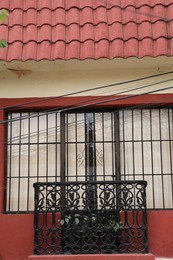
(129,144)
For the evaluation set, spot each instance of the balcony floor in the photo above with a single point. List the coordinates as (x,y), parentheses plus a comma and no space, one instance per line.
(95,257)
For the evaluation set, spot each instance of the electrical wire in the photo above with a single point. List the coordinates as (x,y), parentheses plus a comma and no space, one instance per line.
(136,107)
(136,11)
(86,90)
(79,104)
(80,122)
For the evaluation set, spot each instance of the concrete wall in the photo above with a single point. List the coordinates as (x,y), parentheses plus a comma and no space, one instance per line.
(45,78)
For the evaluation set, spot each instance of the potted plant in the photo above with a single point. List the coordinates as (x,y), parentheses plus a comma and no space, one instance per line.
(90,232)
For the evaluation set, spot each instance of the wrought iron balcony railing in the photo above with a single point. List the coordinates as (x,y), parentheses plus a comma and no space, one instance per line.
(90,217)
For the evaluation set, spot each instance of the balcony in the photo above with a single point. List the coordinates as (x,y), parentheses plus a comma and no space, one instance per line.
(99,217)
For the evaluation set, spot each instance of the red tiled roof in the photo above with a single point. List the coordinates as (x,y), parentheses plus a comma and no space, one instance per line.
(80,29)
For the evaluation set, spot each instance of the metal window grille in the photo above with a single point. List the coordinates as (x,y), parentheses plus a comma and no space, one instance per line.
(66,220)
(130,144)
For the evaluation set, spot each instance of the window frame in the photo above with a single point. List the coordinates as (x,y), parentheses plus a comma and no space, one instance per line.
(11,105)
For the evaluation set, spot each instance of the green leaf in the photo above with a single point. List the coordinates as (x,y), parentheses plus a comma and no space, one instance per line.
(3,15)
(67,220)
(77,221)
(3,43)
(62,222)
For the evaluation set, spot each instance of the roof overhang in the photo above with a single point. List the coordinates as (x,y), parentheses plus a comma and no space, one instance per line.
(160,64)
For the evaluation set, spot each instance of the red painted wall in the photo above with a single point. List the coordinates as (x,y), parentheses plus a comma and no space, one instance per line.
(17,235)
(160,232)
(17,230)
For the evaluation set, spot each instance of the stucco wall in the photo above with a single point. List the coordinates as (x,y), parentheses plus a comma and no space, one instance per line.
(18,80)
(45,78)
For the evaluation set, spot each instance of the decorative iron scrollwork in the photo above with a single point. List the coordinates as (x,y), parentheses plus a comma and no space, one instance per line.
(90,217)
(81,157)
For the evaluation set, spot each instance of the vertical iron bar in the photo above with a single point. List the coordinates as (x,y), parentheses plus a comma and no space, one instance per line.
(152,166)
(62,167)
(20,129)
(62,163)
(56,143)
(94,152)
(10,160)
(76,141)
(133,153)
(103,145)
(161,160)
(38,141)
(117,164)
(133,148)
(86,148)
(124,145)
(170,149)
(66,141)
(142,144)
(47,147)
(28,190)
(113,146)
(117,145)
(5,147)
(90,152)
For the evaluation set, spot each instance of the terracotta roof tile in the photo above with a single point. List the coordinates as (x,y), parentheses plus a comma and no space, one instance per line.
(44,50)
(170,46)
(71,3)
(58,16)
(29,17)
(15,34)
(5,4)
(100,15)
(117,48)
(129,15)
(158,11)
(131,48)
(145,48)
(87,32)
(44,17)
(29,4)
(57,4)
(16,18)
(58,50)
(160,46)
(102,49)
(169,29)
(45,33)
(72,16)
(168,2)
(72,50)
(160,30)
(101,32)
(115,31)
(87,50)
(81,29)
(43,4)
(114,16)
(16,4)
(86,16)
(85,3)
(143,14)
(30,33)
(130,31)
(29,51)
(58,33)
(126,3)
(169,13)
(15,51)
